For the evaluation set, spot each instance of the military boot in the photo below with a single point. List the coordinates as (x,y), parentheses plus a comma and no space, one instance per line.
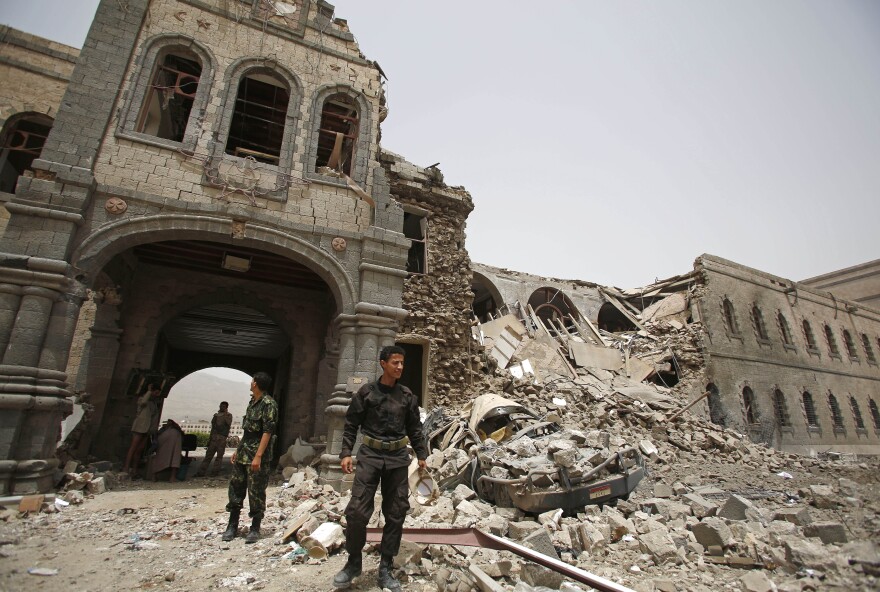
(232,527)
(352,569)
(254,534)
(386,581)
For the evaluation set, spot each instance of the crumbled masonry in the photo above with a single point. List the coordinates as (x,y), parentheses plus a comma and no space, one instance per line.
(714,510)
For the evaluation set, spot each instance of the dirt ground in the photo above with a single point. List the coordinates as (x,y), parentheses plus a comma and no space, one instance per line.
(163,536)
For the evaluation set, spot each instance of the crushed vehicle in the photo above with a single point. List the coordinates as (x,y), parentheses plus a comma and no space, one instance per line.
(512,457)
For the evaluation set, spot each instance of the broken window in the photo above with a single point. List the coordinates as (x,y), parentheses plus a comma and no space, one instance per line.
(857,413)
(850,345)
(832,342)
(809,337)
(869,351)
(875,413)
(729,317)
(170,96)
(338,133)
(784,329)
(810,410)
(749,406)
(760,327)
(780,409)
(836,415)
(415,228)
(257,128)
(22,143)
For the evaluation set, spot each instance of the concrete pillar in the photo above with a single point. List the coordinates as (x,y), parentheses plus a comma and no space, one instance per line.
(62,324)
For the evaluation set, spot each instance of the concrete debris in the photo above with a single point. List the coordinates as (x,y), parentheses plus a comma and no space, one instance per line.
(711,511)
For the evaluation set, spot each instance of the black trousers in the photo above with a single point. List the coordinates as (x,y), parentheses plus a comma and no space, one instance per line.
(395,503)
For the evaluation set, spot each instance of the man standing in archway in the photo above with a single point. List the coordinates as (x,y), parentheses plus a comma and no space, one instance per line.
(250,462)
(220,425)
(387,413)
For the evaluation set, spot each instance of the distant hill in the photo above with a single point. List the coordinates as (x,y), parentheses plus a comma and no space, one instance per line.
(198,396)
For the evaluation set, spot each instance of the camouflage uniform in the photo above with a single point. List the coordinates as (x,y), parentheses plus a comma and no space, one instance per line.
(220,425)
(387,414)
(261,417)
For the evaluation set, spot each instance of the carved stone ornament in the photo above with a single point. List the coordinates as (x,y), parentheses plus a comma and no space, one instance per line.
(338,244)
(116,205)
(238,229)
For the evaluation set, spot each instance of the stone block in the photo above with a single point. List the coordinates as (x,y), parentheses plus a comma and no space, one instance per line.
(735,508)
(798,515)
(827,532)
(520,530)
(756,581)
(96,486)
(540,541)
(462,493)
(847,487)
(409,554)
(803,553)
(659,545)
(823,497)
(538,575)
(620,526)
(700,506)
(662,490)
(712,531)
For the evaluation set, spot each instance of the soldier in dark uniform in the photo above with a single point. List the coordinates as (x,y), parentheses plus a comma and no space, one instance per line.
(387,414)
(250,461)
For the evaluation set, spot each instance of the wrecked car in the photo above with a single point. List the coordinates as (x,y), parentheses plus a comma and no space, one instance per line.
(512,457)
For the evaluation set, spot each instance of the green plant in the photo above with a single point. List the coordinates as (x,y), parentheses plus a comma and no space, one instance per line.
(203,438)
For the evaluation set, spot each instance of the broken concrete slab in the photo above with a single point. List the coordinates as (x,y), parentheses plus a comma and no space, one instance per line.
(591,356)
(827,532)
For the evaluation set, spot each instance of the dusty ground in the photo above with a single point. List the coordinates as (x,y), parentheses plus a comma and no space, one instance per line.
(179,528)
(163,536)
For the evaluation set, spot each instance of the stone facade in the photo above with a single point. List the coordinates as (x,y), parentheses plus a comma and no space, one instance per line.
(147,177)
(808,358)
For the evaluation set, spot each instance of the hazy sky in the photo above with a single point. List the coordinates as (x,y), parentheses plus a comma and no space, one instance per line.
(616,141)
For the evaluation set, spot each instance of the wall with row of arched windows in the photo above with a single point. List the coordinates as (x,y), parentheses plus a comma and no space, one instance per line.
(230,113)
(792,366)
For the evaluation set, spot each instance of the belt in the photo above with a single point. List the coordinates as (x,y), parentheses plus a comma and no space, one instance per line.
(383,445)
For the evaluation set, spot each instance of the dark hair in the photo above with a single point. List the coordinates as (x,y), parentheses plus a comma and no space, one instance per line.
(153,386)
(390,350)
(263,380)
(224,404)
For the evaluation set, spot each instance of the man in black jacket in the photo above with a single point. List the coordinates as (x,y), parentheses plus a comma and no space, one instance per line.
(387,413)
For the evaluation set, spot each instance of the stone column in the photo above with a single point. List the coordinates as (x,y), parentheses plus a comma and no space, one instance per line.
(29,329)
(361,336)
(10,298)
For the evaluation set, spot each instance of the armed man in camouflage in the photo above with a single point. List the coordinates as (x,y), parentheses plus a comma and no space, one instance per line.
(387,414)
(250,462)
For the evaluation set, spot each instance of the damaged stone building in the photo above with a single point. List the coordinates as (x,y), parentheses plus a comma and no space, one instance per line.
(203,185)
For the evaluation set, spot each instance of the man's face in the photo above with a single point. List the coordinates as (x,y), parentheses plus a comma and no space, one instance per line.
(392,367)
(223,408)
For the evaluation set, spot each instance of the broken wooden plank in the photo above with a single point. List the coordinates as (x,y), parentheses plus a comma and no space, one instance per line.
(616,304)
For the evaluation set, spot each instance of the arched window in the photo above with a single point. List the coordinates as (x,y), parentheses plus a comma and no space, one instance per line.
(784,329)
(749,406)
(857,413)
(832,342)
(869,351)
(808,336)
(810,410)
(875,413)
(836,415)
(170,96)
(20,144)
(729,316)
(760,327)
(338,133)
(850,345)
(780,409)
(259,116)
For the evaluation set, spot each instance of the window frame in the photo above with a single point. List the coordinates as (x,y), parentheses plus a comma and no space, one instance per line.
(837,423)
(361,148)
(423,216)
(283,171)
(728,315)
(151,57)
(809,408)
(780,410)
(785,332)
(812,345)
(831,342)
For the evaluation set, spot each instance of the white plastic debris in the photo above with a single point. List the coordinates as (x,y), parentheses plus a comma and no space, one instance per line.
(60,503)
(43,571)
(559,402)
(784,475)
